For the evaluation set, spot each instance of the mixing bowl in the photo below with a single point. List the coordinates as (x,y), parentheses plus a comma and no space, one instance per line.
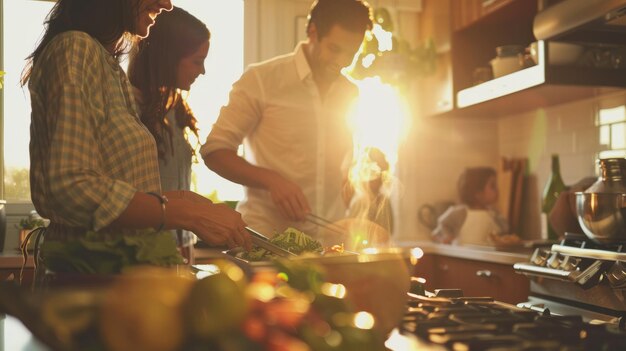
(601,216)
(376,281)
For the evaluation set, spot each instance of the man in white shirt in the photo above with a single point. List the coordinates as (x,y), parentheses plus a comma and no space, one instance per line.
(291,114)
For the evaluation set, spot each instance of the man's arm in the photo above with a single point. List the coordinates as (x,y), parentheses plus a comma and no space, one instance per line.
(231,166)
(287,196)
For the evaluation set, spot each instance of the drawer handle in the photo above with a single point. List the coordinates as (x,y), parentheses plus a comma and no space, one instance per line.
(487,3)
(483,273)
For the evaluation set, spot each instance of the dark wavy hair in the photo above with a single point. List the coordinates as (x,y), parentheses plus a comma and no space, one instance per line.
(472,181)
(152,70)
(352,15)
(107,21)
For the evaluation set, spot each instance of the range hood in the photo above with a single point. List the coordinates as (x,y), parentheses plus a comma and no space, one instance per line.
(586,21)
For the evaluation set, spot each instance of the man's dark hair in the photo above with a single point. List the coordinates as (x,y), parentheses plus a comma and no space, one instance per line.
(352,15)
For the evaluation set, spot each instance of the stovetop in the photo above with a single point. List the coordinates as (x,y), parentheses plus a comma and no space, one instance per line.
(579,271)
(455,322)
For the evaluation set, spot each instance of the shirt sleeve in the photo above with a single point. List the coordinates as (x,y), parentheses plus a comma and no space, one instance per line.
(449,224)
(239,117)
(79,190)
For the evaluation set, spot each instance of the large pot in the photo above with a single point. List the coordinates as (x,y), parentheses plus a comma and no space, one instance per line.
(601,216)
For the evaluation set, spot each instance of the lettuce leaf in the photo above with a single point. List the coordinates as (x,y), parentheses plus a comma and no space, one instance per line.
(107,253)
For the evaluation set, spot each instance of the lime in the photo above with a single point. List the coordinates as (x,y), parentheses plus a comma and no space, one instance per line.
(216,304)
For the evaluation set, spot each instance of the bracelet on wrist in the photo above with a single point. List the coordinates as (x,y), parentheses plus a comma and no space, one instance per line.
(162,200)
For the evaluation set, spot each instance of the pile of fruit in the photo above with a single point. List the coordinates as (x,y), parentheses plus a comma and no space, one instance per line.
(160,309)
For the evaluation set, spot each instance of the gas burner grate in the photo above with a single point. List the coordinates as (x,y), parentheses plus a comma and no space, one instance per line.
(470,324)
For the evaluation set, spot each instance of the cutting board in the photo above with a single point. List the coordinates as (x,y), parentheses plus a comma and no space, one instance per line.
(517,192)
(511,174)
(505,183)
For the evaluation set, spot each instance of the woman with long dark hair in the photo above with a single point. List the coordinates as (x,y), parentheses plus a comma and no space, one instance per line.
(162,67)
(94,165)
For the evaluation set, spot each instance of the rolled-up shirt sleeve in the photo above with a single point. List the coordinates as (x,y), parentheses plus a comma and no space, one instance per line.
(239,117)
(79,190)
(76,140)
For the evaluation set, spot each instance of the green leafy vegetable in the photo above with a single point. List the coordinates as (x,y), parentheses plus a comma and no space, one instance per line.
(106,253)
(291,240)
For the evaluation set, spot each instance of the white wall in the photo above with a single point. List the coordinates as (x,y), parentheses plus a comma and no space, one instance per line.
(441,148)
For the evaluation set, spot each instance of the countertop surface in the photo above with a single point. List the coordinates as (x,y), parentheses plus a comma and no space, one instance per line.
(474,252)
(13,259)
(471,252)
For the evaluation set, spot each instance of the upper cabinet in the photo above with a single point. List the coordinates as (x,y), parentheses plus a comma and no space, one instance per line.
(544,73)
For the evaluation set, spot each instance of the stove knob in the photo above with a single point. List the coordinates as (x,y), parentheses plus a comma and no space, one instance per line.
(617,274)
(540,256)
(554,261)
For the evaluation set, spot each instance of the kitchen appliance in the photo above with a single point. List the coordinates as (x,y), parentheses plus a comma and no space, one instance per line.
(576,302)
(601,208)
(602,215)
(453,322)
(579,276)
(587,21)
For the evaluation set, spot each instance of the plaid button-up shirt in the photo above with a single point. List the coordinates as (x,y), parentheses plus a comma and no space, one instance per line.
(89,151)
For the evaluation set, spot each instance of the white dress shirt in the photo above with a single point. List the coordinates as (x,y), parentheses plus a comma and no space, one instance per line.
(276,110)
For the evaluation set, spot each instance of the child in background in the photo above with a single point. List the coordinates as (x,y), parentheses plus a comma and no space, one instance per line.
(474,221)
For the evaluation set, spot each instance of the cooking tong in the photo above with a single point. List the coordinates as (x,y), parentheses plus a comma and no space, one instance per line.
(325,223)
(264,242)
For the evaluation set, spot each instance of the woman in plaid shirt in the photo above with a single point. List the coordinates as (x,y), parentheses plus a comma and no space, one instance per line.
(94,165)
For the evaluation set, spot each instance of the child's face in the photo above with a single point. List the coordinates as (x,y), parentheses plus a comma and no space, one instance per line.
(489,195)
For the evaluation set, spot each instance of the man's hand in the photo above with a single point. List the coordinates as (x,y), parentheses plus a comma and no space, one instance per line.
(289,199)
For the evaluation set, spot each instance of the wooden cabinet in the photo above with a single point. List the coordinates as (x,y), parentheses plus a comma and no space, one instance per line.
(467,12)
(477,28)
(475,278)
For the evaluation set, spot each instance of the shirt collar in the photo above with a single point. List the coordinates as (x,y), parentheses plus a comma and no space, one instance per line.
(302,65)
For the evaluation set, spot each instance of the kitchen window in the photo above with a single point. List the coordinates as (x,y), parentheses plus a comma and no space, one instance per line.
(22,26)
(612,129)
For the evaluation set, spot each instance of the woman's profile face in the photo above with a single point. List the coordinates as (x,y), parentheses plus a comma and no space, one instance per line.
(191,66)
(148,12)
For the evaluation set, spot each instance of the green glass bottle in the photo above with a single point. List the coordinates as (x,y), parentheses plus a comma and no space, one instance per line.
(551,192)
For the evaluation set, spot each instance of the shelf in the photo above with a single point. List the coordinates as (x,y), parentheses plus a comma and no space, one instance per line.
(535,87)
(541,96)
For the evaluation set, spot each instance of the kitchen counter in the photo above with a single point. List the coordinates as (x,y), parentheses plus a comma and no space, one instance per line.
(473,252)
(13,259)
